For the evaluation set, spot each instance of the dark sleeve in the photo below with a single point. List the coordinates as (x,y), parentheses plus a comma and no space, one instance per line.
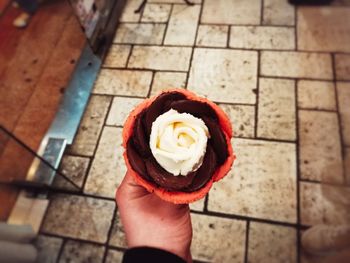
(149,255)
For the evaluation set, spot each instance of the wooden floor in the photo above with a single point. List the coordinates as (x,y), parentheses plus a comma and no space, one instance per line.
(36,64)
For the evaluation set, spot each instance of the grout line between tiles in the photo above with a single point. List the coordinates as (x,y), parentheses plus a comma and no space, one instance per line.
(228,37)
(109,234)
(261,12)
(167,23)
(129,56)
(246,242)
(256,120)
(151,84)
(297,158)
(61,250)
(296,27)
(206,203)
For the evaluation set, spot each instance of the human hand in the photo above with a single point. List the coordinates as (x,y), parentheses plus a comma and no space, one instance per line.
(150,221)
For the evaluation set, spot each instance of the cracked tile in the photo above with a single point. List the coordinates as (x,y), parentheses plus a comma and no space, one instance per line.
(318,95)
(123,82)
(272,243)
(166,80)
(242,119)
(212,36)
(323,29)
(296,65)
(277,12)
(218,239)
(75,251)
(342,66)
(48,248)
(90,222)
(320,146)
(276,109)
(85,140)
(182,26)
(117,234)
(160,58)
(234,12)
(262,37)
(224,75)
(120,110)
(343,89)
(139,33)
(114,256)
(108,167)
(117,56)
(262,183)
(325,204)
(158,13)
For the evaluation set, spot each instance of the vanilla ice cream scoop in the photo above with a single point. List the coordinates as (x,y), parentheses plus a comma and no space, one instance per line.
(178,142)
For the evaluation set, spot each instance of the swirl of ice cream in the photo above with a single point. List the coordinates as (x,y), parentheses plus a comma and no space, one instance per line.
(178,142)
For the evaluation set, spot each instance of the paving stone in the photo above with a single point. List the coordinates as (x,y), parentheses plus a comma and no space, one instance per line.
(321,203)
(278,12)
(117,234)
(139,33)
(224,75)
(108,167)
(234,12)
(296,65)
(128,14)
(158,13)
(212,36)
(174,1)
(120,110)
(123,82)
(160,58)
(166,80)
(261,184)
(48,248)
(85,141)
(272,243)
(347,165)
(242,118)
(344,110)
(198,205)
(276,109)
(79,217)
(320,148)
(117,56)
(75,251)
(262,37)
(74,168)
(218,239)
(342,66)
(114,256)
(318,95)
(182,26)
(324,29)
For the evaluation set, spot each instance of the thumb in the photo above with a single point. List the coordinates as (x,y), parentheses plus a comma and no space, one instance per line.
(129,189)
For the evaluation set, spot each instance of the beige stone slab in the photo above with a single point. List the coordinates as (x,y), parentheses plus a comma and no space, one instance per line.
(296,65)
(131,33)
(347,165)
(75,251)
(158,13)
(217,239)
(323,29)
(276,109)
(117,56)
(160,58)
(318,95)
(277,12)
(108,167)
(114,256)
(182,26)
(342,66)
(198,205)
(48,248)
(262,37)
(262,183)
(165,80)
(343,89)
(120,110)
(242,119)
(85,141)
(117,234)
(224,75)
(233,12)
(320,146)
(324,204)
(128,14)
(212,36)
(91,221)
(272,243)
(174,1)
(123,82)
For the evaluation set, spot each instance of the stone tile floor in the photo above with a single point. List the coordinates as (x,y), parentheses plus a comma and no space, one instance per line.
(282,75)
